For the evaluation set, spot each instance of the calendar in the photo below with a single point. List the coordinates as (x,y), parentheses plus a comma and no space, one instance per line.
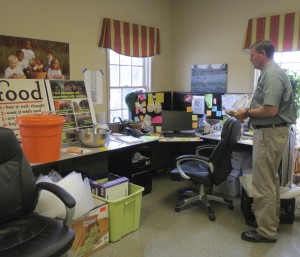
(93,82)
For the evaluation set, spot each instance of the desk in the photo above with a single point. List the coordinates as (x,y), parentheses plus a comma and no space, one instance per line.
(286,169)
(116,157)
(244,140)
(96,162)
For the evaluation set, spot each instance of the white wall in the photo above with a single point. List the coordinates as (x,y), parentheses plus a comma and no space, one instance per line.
(213,31)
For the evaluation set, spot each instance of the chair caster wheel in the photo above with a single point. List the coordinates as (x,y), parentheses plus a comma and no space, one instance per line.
(212,217)
(230,206)
(177,208)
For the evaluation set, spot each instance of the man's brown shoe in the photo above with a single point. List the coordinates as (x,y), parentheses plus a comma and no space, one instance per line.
(253,236)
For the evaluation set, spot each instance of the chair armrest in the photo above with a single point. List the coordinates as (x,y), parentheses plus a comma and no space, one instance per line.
(184,158)
(205,150)
(63,195)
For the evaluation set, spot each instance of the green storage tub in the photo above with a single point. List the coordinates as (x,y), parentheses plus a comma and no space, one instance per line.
(124,214)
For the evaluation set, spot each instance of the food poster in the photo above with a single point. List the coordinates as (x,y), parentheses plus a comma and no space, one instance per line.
(20,97)
(71,100)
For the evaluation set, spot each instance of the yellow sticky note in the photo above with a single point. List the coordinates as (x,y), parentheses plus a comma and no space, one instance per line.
(189,109)
(160,97)
(194,117)
(194,125)
(150,99)
(208,113)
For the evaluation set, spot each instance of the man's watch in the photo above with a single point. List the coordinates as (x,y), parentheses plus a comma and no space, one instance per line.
(247,114)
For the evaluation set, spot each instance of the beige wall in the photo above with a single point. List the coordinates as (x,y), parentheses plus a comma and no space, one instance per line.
(79,22)
(192,32)
(213,31)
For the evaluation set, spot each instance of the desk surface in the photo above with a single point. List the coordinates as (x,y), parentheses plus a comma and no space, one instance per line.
(76,149)
(245,140)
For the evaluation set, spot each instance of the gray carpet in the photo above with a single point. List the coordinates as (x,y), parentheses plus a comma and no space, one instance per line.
(189,233)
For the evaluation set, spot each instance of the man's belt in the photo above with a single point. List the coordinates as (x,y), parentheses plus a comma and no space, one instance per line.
(284,124)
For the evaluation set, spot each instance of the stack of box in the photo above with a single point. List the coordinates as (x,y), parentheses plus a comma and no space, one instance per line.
(240,161)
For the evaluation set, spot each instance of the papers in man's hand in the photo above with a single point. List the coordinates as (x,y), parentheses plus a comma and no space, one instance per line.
(129,139)
(233,102)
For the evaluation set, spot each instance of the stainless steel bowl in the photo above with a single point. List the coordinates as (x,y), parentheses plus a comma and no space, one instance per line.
(93,137)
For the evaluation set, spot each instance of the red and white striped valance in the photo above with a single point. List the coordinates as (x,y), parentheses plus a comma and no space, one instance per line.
(282,30)
(129,39)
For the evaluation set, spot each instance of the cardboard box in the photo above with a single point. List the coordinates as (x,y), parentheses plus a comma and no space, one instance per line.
(91,230)
(241,160)
(230,187)
(110,189)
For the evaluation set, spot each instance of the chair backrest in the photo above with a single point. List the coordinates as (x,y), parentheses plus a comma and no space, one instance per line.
(17,182)
(221,156)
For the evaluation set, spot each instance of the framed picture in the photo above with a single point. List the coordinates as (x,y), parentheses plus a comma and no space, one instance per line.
(209,78)
(33,56)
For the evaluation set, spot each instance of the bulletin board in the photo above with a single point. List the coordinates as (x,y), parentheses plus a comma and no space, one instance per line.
(212,103)
(151,103)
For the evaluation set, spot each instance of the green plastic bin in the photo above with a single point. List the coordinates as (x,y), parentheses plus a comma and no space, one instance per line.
(124,214)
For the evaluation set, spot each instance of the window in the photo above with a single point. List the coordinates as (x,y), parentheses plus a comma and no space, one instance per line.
(126,74)
(288,60)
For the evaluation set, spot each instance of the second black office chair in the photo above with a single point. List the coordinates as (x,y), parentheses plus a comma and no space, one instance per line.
(210,166)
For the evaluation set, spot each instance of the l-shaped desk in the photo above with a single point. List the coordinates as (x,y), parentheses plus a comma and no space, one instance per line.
(117,157)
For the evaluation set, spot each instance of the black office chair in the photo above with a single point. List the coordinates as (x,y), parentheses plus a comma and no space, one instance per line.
(210,166)
(23,232)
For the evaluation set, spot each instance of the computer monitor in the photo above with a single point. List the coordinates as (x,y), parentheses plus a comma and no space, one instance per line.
(176,121)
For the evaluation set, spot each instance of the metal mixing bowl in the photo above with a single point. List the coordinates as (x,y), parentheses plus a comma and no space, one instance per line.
(93,137)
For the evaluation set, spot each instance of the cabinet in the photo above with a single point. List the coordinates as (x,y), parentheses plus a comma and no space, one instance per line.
(126,163)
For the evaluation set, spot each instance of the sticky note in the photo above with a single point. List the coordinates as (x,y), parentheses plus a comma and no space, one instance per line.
(194,125)
(208,113)
(141,97)
(160,97)
(150,99)
(189,109)
(194,118)
(208,100)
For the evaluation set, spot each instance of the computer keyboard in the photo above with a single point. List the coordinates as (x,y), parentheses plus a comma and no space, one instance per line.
(179,134)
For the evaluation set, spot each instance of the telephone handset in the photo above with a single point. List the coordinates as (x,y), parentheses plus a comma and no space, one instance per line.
(134,132)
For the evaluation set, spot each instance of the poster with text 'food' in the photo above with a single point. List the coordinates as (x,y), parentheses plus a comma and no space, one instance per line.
(66,98)
(20,97)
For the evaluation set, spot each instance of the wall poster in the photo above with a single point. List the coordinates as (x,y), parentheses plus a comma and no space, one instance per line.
(67,98)
(33,56)
(209,78)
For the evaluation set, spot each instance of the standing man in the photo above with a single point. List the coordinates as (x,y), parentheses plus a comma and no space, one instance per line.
(272,111)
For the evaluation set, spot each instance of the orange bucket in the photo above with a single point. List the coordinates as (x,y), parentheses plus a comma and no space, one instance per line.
(41,136)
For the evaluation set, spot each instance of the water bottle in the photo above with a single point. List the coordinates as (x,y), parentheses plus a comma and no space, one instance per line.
(201,124)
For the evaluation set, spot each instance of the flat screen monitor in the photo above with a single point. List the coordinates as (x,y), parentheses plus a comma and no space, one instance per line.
(176,121)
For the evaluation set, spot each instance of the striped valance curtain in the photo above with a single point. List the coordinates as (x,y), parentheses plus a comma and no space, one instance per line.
(282,30)
(129,39)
